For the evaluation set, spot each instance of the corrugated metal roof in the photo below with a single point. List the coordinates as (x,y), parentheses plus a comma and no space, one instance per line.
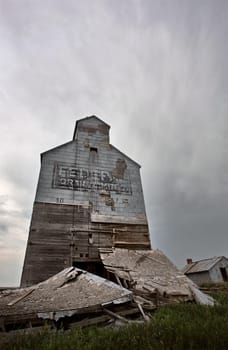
(201,265)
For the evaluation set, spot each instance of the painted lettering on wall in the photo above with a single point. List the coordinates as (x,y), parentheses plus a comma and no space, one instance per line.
(72,178)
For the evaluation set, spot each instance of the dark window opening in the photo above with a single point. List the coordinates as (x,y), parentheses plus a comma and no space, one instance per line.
(121,281)
(93,149)
(94,267)
(97,268)
(93,154)
(224,273)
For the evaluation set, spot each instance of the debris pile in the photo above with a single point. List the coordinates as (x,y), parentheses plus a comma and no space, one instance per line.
(152,276)
(71,294)
(145,279)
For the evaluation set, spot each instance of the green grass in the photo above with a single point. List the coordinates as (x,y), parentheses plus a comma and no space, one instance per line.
(183,326)
(221,285)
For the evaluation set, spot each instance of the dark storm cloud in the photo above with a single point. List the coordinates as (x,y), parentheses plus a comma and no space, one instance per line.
(155,71)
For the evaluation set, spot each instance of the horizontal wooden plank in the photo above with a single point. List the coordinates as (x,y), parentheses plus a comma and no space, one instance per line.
(60,233)
(118,219)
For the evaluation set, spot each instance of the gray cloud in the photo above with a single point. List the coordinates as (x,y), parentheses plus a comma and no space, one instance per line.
(155,71)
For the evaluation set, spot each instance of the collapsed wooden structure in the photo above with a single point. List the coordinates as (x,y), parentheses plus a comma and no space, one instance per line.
(147,272)
(89,258)
(145,280)
(71,294)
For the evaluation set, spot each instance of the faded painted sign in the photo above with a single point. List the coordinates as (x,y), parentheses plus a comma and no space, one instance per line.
(72,178)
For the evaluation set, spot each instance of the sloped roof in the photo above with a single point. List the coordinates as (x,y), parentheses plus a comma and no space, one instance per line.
(147,269)
(76,125)
(201,265)
(150,271)
(55,148)
(125,156)
(70,291)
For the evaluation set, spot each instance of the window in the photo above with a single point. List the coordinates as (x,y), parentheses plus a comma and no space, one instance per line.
(93,154)
(93,149)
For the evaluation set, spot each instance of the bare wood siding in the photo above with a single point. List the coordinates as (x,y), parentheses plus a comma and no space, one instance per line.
(60,234)
(86,187)
(48,248)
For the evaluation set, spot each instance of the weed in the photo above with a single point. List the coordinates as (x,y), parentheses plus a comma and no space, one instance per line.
(182,326)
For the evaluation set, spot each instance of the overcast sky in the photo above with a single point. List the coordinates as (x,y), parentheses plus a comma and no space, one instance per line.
(157,72)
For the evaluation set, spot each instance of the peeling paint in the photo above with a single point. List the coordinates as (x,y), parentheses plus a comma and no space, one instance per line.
(120,168)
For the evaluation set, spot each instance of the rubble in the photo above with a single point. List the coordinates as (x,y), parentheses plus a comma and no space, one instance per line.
(151,275)
(72,293)
(144,280)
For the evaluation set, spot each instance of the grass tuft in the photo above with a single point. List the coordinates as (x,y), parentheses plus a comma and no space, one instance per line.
(182,326)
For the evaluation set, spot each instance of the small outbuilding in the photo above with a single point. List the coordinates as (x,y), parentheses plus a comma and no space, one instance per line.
(207,270)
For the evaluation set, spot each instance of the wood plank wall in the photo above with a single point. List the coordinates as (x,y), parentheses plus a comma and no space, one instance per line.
(61,234)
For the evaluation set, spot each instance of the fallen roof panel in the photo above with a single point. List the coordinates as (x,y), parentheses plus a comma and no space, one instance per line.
(70,291)
(148,270)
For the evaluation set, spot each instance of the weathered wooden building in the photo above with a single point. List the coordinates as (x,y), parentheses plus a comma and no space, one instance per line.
(89,196)
(207,270)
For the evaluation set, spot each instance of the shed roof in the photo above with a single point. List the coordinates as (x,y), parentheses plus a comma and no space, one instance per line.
(201,265)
